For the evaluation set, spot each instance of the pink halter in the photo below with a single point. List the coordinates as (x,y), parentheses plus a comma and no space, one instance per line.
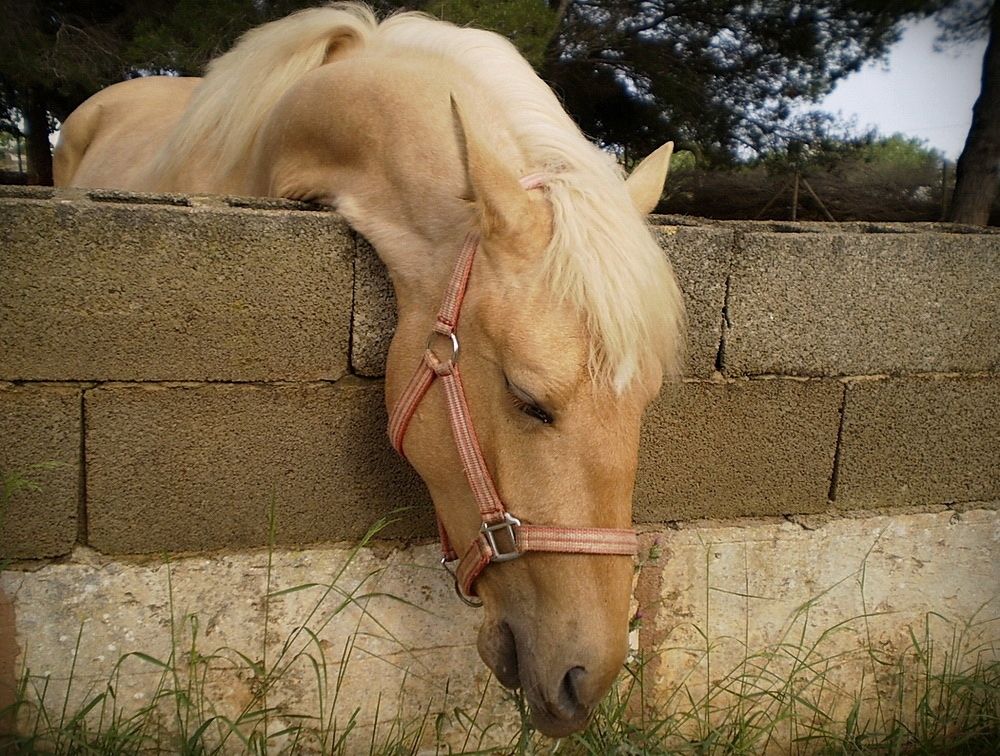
(502,537)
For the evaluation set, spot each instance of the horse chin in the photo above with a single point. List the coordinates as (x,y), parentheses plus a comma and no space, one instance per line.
(559,717)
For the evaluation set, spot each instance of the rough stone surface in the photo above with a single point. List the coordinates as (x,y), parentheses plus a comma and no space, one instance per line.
(742,448)
(374,313)
(920,440)
(40,446)
(95,291)
(401,628)
(199,466)
(700,257)
(709,598)
(829,613)
(827,304)
(204,333)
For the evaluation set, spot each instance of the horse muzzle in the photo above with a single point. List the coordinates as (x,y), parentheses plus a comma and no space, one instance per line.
(561,695)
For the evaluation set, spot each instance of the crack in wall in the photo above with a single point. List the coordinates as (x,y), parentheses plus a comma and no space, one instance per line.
(838,449)
(351,323)
(727,324)
(81,505)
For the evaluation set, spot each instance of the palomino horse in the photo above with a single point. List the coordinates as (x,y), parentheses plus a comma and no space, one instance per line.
(485,202)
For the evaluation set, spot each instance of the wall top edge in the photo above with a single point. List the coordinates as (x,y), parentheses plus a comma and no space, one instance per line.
(669,223)
(665,223)
(117,197)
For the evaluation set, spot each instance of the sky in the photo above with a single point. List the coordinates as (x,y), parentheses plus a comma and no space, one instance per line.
(922,93)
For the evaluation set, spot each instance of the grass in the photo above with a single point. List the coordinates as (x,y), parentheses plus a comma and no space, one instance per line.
(939,695)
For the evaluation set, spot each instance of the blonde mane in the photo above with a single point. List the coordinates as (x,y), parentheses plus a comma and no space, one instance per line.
(602,259)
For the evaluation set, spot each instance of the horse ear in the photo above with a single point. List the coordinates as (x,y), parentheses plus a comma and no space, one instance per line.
(502,202)
(645,185)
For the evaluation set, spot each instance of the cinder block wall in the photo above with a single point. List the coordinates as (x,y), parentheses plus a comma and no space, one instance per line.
(195,366)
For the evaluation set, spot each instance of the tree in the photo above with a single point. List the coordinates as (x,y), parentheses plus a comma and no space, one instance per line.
(977,176)
(56,53)
(529,24)
(719,77)
(52,55)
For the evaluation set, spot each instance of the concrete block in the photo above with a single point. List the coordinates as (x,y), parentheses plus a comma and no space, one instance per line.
(745,448)
(860,304)
(919,440)
(198,467)
(374,313)
(41,445)
(700,256)
(109,291)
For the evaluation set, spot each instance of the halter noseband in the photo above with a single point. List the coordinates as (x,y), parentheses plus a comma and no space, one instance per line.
(502,537)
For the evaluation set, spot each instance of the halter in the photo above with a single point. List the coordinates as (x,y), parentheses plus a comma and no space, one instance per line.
(502,537)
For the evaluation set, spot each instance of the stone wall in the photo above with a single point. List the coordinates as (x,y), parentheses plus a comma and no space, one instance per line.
(194,364)
(819,492)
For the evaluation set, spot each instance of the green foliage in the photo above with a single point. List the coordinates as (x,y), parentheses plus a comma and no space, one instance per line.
(529,24)
(843,154)
(963,22)
(868,178)
(183,36)
(720,77)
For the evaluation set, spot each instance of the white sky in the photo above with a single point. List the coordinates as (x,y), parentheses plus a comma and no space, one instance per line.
(923,93)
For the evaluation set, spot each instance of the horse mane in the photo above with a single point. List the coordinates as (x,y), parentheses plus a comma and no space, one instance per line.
(602,259)
(240,87)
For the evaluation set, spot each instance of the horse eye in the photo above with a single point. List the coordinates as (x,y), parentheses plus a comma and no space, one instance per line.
(532,410)
(524,403)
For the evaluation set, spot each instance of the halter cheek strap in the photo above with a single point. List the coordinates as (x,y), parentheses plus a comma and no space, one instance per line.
(502,537)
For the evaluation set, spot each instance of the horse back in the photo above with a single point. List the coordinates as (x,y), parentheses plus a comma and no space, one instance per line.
(111,139)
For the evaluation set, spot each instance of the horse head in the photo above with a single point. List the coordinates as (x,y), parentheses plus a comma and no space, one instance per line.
(557,430)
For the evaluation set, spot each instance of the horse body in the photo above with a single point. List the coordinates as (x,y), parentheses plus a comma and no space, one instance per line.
(421,134)
(112,138)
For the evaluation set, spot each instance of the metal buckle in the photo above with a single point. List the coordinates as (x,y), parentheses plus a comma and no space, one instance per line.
(508,525)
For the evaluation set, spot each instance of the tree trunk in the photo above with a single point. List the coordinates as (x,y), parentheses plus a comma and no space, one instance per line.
(977,176)
(36,137)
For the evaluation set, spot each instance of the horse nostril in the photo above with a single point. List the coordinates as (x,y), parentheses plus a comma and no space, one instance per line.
(569,694)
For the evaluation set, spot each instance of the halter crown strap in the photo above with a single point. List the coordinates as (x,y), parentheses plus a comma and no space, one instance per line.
(502,537)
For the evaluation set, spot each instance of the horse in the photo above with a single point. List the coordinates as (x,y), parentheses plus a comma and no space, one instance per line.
(537,315)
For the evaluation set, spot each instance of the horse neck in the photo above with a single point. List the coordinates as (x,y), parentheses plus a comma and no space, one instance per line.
(402,182)
(418,242)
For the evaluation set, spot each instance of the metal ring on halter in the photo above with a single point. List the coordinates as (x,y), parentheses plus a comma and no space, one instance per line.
(454,346)
(473,602)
